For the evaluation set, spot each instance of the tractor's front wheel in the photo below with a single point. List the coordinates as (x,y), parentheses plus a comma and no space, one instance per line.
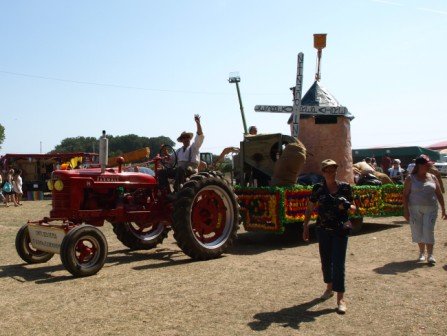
(140,237)
(205,218)
(84,250)
(26,251)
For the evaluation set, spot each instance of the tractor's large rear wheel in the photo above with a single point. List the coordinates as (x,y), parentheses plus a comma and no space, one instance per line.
(140,237)
(205,217)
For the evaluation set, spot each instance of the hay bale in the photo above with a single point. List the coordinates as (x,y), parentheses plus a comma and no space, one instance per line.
(364,167)
(289,164)
(384,178)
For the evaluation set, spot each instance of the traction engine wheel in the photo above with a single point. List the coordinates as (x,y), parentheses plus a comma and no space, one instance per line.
(84,250)
(26,251)
(139,237)
(205,217)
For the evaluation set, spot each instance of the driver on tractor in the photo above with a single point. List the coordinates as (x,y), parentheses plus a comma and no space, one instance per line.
(187,157)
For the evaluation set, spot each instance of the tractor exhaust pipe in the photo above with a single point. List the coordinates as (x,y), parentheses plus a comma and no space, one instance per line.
(103,151)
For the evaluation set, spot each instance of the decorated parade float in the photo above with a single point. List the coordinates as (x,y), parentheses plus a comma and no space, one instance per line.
(204,215)
(320,129)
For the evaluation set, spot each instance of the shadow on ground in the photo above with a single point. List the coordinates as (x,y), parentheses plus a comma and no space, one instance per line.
(248,243)
(43,273)
(396,267)
(291,317)
(40,274)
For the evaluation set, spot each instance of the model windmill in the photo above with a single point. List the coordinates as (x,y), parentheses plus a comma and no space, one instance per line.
(319,121)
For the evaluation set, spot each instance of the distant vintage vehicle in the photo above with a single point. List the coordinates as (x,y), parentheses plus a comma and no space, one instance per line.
(441,167)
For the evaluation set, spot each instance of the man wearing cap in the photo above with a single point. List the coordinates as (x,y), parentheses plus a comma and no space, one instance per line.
(188,158)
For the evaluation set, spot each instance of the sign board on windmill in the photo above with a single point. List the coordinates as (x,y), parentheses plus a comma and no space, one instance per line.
(309,110)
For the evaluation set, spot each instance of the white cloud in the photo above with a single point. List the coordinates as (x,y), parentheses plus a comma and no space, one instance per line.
(432,10)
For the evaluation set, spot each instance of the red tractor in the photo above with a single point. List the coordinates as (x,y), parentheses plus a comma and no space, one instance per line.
(204,216)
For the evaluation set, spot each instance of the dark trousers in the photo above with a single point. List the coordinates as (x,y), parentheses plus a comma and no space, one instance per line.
(178,173)
(332,246)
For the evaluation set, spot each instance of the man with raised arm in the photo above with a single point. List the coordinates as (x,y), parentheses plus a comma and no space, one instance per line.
(188,159)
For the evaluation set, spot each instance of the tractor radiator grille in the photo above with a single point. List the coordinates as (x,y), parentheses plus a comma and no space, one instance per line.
(61,200)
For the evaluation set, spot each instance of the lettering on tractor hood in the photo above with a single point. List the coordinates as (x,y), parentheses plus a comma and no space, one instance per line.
(107,179)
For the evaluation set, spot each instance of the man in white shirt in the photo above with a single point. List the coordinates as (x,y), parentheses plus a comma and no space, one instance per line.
(396,173)
(188,159)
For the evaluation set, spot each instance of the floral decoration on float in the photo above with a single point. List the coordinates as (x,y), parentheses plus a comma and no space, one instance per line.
(295,201)
(393,200)
(271,208)
(367,201)
(259,208)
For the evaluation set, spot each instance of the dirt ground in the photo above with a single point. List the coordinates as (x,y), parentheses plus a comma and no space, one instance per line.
(266,285)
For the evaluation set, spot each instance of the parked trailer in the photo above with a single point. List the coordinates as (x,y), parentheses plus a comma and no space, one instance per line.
(37,168)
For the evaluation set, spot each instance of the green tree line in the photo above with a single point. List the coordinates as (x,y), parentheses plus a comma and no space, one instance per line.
(117,144)
(2,135)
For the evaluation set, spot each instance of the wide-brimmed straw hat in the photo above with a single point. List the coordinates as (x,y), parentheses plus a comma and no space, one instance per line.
(184,135)
(327,163)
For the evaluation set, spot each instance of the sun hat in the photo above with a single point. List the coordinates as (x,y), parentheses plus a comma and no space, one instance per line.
(327,163)
(184,135)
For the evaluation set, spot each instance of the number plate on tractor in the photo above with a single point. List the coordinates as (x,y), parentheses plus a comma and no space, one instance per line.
(47,239)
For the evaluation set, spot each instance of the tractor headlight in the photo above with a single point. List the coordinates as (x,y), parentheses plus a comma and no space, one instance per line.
(50,185)
(58,185)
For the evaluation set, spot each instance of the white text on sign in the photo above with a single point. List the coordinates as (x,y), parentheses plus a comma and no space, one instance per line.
(308,110)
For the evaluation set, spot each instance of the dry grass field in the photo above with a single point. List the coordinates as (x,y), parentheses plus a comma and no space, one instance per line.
(266,285)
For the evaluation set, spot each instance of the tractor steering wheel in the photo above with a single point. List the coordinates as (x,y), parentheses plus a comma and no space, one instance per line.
(166,152)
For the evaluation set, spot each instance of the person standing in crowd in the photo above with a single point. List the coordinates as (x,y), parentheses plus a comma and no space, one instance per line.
(334,200)
(10,196)
(386,163)
(188,159)
(374,164)
(2,197)
(420,196)
(17,185)
(411,166)
(369,162)
(396,172)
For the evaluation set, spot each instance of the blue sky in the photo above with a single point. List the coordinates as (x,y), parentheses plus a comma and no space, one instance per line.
(75,68)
